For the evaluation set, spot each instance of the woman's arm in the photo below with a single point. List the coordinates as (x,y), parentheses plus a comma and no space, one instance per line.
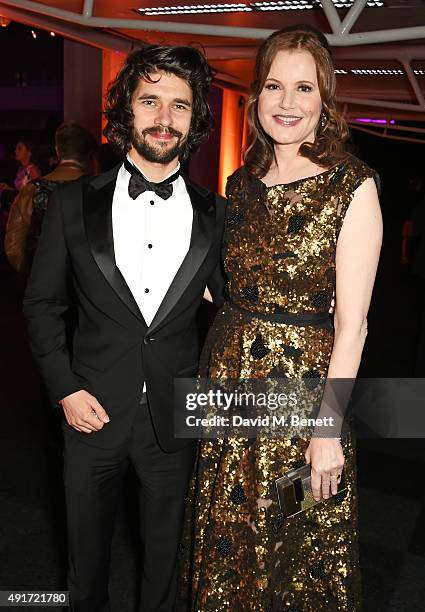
(357,256)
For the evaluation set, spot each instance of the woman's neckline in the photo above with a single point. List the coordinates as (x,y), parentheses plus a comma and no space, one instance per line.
(305,178)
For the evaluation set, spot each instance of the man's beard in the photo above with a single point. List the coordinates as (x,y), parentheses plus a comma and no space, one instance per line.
(158,154)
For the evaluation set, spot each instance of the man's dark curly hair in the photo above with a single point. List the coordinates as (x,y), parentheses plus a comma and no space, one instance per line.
(185,62)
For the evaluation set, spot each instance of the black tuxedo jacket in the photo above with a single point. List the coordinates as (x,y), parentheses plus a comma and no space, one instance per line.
(113,350)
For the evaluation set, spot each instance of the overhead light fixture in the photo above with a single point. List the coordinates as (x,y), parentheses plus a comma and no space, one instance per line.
(348,4)
(4,21)
(33,34)
(283,5)
(240,7)
(194,9)
(52,34)
(376,71)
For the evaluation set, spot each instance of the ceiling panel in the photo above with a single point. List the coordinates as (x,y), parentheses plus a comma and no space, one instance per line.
(233,56)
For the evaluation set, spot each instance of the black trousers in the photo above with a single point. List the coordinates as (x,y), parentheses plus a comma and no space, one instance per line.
(93,478)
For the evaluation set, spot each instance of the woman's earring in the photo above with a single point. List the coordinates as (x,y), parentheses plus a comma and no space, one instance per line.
(323,120)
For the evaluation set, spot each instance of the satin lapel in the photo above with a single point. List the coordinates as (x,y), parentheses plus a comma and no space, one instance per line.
(201,239)
(97,212)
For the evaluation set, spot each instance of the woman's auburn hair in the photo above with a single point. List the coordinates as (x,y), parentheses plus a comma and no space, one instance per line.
(328,148)
(186,63)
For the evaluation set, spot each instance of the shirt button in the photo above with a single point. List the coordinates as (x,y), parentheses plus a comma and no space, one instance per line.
(151,202)
(149,246)
(146,290)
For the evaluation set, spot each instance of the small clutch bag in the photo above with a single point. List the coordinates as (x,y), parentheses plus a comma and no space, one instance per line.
(294,490)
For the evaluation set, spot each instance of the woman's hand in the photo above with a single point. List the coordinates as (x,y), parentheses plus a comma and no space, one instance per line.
(327,460)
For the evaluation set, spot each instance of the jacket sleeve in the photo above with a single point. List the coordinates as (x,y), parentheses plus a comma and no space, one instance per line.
(46,300)
(217,281)
(217,286)
(17,228)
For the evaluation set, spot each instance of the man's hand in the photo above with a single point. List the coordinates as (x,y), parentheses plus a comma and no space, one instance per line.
(83,412)
(327,460)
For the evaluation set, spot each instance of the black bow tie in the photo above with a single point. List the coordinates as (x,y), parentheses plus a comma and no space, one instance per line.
(139,184)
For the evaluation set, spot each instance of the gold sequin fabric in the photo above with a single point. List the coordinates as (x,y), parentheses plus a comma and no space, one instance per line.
(239,553)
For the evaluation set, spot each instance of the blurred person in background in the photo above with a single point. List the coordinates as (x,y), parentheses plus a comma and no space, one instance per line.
(27,170)
(74,147)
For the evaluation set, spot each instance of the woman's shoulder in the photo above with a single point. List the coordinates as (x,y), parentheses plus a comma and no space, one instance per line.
(234,182)
(356,171)
(33,171)
(244,184)
(358,168)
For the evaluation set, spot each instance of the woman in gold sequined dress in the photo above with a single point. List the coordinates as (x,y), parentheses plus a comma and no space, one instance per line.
(303,222)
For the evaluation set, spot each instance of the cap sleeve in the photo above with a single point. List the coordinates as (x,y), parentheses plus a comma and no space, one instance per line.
(354,174)
(233,183)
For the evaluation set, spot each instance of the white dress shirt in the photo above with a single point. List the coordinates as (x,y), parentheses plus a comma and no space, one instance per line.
(151,239)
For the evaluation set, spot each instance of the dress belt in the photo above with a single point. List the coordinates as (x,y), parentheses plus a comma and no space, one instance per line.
(300,319)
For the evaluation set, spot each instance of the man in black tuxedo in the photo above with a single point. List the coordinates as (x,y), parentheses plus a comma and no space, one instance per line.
(135,248)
